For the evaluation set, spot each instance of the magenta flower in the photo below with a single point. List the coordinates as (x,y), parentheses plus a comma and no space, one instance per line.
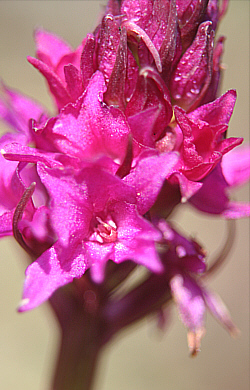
(92,229)
(60,65)
(138,129)
(184,260)
(203,131)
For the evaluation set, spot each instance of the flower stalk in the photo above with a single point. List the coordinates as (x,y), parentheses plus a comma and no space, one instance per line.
(78,356)
(81,339)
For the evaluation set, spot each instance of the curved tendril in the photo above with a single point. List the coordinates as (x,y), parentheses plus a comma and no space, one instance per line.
(219,260)
(132,27)
(18,216)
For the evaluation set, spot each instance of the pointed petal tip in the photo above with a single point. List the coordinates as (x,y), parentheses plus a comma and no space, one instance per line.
(30,59)
(232,92)
(194,341)
(23,305)
(234,331)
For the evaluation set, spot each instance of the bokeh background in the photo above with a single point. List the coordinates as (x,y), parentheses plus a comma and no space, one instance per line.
(141,358)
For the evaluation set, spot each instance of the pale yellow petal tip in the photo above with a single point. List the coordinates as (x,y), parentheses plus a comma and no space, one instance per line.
(23,303)
(2,151)
(194,341)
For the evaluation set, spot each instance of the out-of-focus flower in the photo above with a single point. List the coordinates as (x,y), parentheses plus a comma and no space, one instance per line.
(184,262)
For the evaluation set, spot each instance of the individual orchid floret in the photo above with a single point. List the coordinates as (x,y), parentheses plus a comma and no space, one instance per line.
(98,227)
(60,65)
(90,229)
(184,261)
(203,136)
(19,215)
(26,215)
(192,300)
(87,128)
(113,59)
(15,111)
(37,233)
(68,72)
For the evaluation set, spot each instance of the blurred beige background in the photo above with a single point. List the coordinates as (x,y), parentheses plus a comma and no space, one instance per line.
(141,358)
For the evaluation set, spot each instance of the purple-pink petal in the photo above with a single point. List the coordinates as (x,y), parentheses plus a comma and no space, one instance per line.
(16,109)
(89,128)
(190,302)
(50,48)
(71,210)
(236,210)
(57,87)
(236,166)
(54,268)
(6,223)
(213,197)
(217,112)
(148,176)
(219,311)
(17,152)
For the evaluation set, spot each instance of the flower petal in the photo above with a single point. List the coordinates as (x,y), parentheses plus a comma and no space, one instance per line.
(6,223)
(50,47)
(71,209)
(236,166)
(189,299)
(148,176)
(53,269)
(220,312)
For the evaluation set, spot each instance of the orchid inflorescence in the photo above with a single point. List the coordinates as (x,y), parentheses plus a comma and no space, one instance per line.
(139,130)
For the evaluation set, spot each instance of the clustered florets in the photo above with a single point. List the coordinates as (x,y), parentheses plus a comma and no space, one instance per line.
(139,129)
